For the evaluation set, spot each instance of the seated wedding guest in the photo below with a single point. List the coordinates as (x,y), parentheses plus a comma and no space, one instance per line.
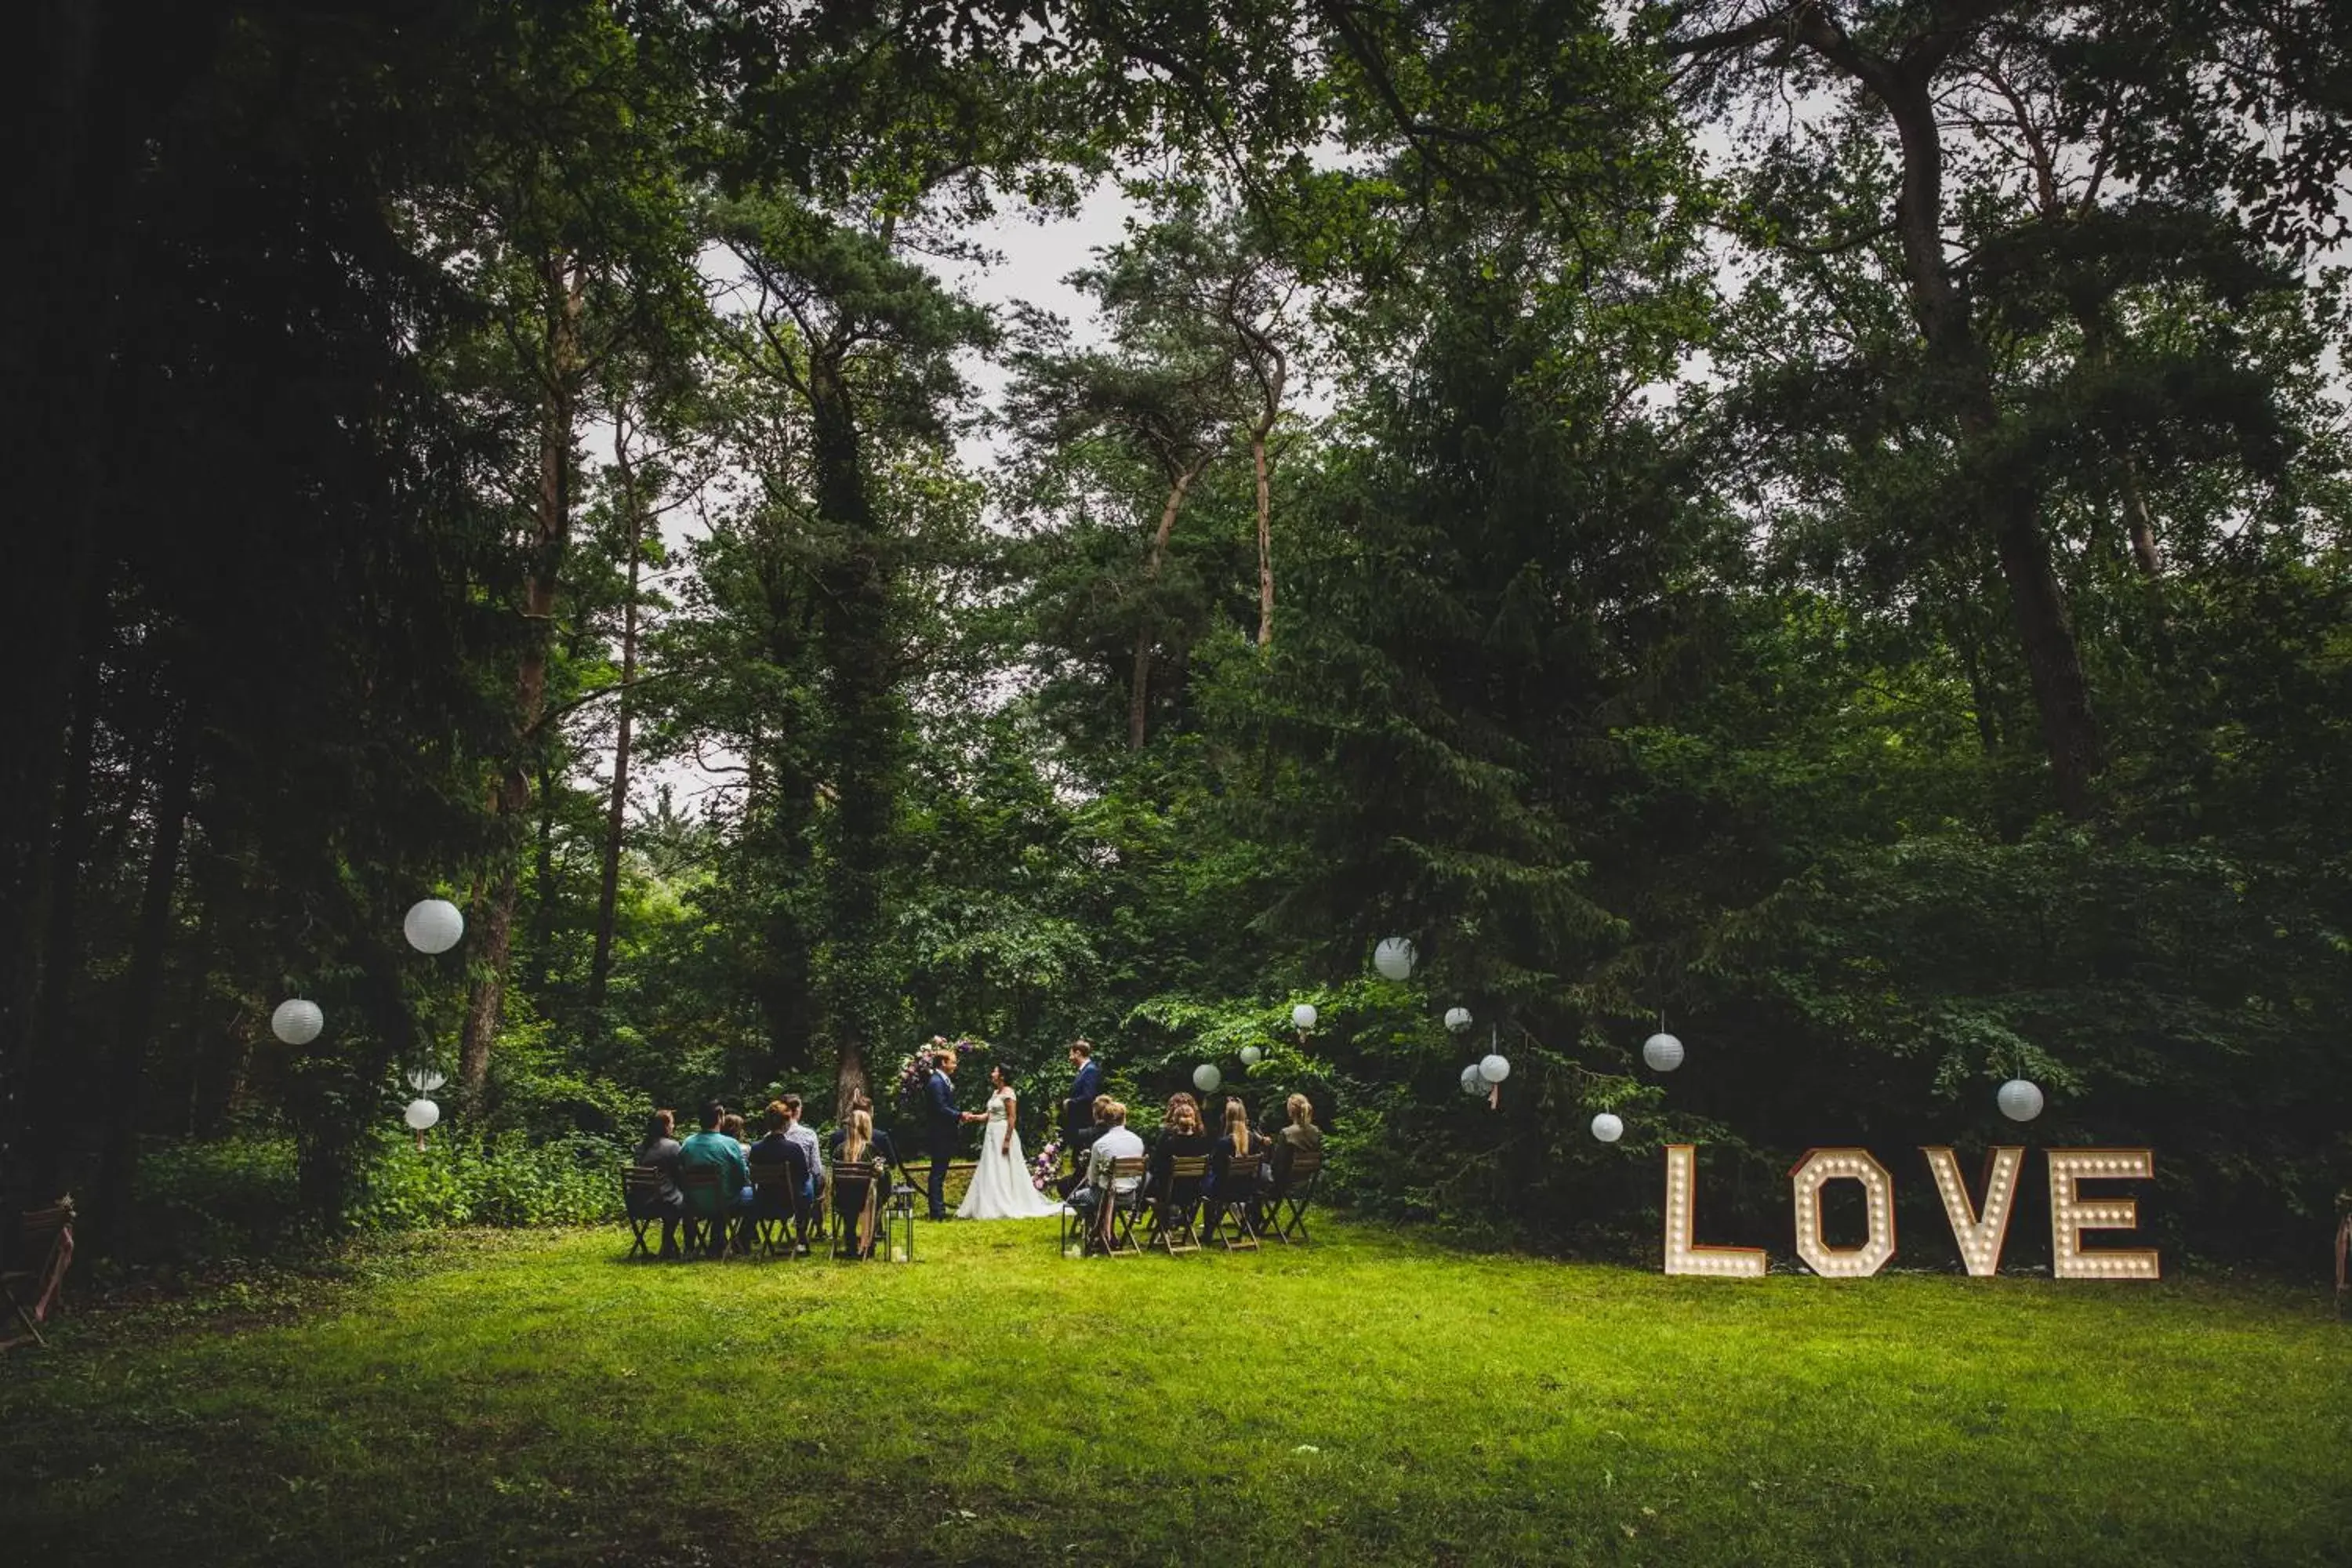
(715,1149)
(853,1143)
(800,1134)
(1300,1133)
(1112,1142)
(1181,1135)
(1098,1118)
(1240,1143)
(780,1148)
(732,1125)
(660,1150)
(878,1145)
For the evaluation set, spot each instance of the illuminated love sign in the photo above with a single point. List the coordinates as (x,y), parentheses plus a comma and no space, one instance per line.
(1981,1231)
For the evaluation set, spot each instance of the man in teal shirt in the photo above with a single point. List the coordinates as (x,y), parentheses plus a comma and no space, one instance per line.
(715,1149)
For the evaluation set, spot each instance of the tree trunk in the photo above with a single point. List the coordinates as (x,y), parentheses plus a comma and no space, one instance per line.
(616,811)
(1138,697)
(55,1064)
(92,82)
(566,283)
(495,920)
(2052,660)
(118,1172)
(2145,553)
(2069,730)
(862,728)
(543,878)
(1265,543)
(1272,383)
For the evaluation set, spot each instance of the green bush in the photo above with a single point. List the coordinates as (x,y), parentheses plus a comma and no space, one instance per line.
(237,1196)
(231,1198)
(506,1181)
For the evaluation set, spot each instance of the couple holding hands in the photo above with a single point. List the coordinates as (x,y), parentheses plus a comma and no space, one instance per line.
(1001,1188)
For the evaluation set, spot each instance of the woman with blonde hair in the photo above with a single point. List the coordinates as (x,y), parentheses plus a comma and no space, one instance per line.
(877,1143)
(1241,1149)
(1300,1135)
(853,1201)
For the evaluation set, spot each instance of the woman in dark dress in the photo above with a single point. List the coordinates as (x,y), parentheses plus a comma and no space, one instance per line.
(1181,1135)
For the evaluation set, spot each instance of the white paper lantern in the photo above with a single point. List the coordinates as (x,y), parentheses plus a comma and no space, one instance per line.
(421,1115)
(297,1022)
(1205,1078)
(1663,1052)
(1608,1128)
(1303,1017)
(1394,958)
(1457,1019)
(433,925)
(2020,1100)
(1471,1082)
(425,1080)
(1495,1068)
(1252,1055)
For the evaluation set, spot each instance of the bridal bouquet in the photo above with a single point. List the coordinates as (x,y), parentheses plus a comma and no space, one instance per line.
(1041,1169)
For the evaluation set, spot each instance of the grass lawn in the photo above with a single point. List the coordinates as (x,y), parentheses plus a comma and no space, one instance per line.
(532,1398)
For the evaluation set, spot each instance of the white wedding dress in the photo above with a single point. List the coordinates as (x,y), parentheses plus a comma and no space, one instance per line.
(1000,1187)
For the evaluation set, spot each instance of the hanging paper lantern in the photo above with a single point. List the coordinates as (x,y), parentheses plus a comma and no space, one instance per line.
(1608,1128)
(2020,1100)
(1495,1068)
(1394,958)
(425,1080)
(1205,1078)
(1471,1082)
(433,925)
(421,1115)
(297,1022)
(1457,1019)
(1303,1017)
(1252,1055)
(1663,1052)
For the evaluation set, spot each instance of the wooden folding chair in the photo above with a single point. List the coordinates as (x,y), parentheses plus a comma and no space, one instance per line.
(44,1250)
(1172,1204)
(1120,1211)
(694,1181)
(1231,1215)
(776,1208)
(856,1188)
(641,1198)
(1288,1210)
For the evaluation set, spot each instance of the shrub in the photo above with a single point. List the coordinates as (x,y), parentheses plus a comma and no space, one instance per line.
(505,1181)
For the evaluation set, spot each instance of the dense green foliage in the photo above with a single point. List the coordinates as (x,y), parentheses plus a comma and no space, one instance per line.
(1823,525)
(1376,1400)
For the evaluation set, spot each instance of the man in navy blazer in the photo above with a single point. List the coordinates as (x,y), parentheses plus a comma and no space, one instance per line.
(1078,1111)
(945,1124)
(1078,1126)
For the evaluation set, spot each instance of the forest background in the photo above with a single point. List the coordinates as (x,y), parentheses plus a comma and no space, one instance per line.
(1823,525)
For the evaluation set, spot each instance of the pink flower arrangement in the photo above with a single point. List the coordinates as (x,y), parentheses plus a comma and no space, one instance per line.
(1041,1169)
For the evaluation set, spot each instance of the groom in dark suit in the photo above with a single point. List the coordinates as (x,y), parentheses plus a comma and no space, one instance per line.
(1078,1126)
(944,1123)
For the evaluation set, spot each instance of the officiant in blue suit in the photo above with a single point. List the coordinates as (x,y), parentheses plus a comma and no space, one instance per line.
(1078,1126)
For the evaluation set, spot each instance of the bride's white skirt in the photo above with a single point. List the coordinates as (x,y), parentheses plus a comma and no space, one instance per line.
(1000,1187)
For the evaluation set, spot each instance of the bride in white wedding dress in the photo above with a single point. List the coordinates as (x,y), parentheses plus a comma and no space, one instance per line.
(1001,1187)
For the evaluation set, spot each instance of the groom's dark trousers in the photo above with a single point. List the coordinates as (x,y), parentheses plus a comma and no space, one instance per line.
(942,1151)
(946,1123)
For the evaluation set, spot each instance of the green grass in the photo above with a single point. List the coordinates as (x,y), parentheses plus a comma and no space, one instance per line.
(531,1398)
